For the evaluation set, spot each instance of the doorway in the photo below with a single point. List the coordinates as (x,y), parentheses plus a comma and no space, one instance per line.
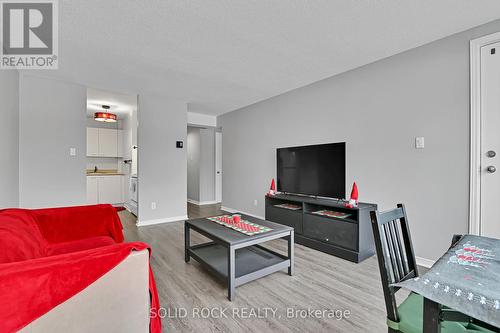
(203,171)
(111,167)
(485,136)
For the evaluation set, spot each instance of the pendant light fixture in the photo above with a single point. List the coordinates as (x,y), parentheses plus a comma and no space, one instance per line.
(105,115)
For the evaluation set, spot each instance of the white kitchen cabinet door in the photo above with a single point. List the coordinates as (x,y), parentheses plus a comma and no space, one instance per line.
(120,144)
(92,191)
(108,142)
(110,189)
(92,141)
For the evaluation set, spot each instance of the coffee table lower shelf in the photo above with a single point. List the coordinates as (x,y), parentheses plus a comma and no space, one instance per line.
(251,262)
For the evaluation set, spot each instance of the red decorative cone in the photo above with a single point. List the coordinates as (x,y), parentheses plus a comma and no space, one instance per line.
(353,201)
(272,188)
(354,192)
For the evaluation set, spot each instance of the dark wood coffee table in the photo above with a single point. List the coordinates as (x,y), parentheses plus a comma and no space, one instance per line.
(237,258)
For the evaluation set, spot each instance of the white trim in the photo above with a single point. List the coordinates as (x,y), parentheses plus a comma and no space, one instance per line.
(475,130)
(160,221)
(232,211)
(427,263)
(202,203)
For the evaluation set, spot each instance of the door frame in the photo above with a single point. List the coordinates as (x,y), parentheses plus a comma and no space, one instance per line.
(218,150)
(475,130)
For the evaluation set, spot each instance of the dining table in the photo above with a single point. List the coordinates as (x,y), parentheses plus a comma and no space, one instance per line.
(464,283)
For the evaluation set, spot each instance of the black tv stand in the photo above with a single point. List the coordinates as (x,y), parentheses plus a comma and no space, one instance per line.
(348,236)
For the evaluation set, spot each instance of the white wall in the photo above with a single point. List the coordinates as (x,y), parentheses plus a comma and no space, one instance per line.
(162,168)
(9,138)
(378,110)
(52,120)
(200,119)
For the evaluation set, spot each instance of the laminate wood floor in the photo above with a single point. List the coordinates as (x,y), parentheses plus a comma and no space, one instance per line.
(195,211)
(321,282)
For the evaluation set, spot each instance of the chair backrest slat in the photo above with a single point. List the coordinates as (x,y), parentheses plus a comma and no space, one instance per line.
(395,253)
(405,231)
(398,248)
(392,253)
(402,248)
(387,261)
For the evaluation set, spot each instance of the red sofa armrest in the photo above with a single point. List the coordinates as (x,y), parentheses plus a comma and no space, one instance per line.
(72,223)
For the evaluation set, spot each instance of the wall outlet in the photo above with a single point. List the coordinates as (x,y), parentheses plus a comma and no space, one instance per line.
(153,205)
(72,152)
(255,202)
(419,142)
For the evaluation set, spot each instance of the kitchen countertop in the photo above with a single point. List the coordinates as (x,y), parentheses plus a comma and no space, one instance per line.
(104,173)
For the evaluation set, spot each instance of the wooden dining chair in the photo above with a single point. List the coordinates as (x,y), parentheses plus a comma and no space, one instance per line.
(396,260)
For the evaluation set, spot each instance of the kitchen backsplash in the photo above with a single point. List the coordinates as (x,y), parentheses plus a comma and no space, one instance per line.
(106,163)
(103,163)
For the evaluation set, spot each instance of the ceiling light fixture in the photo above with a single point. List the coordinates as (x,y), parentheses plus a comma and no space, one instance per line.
(105,115)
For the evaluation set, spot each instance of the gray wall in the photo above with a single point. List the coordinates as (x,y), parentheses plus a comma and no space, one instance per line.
(162,168)
(52,119)
(193,144)
(9,138)
(378,110)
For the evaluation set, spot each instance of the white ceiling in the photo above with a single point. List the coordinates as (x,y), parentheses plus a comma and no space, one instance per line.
(222,55)
(120,104)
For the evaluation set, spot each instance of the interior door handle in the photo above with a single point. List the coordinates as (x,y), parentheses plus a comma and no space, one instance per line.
(491,169)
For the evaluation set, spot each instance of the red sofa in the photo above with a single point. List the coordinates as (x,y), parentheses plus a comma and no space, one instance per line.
(48,256)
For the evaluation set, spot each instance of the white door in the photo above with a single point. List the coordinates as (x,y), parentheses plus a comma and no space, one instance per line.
(92,141)
(108,142)
(218,166)
(490,140)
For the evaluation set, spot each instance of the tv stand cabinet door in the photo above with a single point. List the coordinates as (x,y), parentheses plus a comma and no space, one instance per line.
(339,233)
(291,218)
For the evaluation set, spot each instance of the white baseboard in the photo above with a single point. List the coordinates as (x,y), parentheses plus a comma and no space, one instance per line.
(160,221)
(232,211)
(202,203)
(427,263)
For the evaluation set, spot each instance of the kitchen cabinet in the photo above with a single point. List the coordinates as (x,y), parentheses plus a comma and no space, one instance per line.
(104,142)
(105,189)
(119,144)
(92,191)
(92,141)
(108,142)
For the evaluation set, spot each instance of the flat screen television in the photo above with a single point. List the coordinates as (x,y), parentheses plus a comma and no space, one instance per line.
(317,170)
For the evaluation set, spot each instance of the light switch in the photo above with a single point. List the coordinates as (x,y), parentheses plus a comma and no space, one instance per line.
(72,152)
(419,142)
